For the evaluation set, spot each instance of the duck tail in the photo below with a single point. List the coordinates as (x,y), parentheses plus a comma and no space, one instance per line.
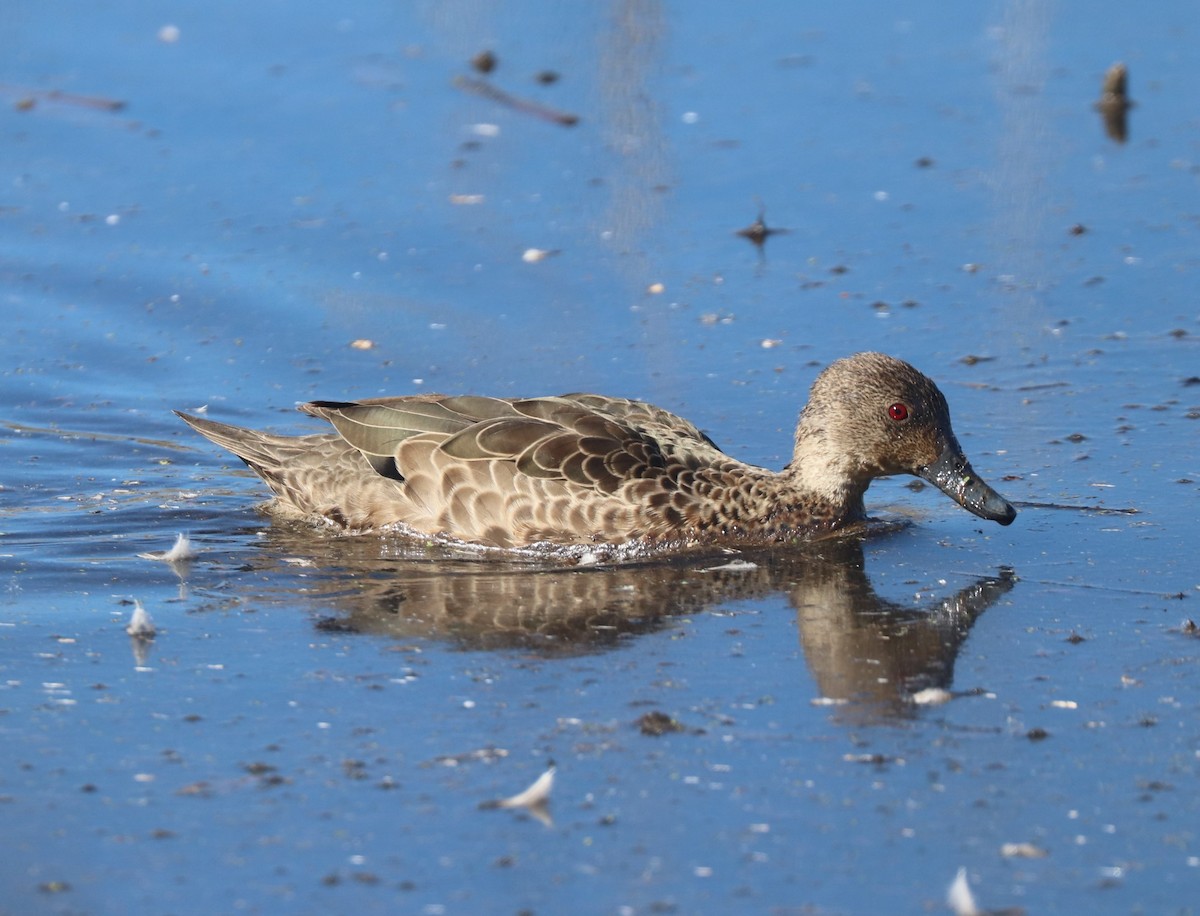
(261,451)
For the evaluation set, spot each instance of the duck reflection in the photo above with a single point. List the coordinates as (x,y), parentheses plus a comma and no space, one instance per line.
(871,653)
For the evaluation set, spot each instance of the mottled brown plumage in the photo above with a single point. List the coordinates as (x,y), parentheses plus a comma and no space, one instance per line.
(587,469)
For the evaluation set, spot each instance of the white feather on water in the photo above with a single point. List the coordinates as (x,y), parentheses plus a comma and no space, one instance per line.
(141,624)
(959,897)
(179,553)
(535,799)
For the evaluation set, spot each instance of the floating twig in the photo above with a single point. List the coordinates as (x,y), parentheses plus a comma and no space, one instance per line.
(526,106)
(27,96)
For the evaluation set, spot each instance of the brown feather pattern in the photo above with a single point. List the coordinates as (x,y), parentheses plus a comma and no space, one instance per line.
(586,469)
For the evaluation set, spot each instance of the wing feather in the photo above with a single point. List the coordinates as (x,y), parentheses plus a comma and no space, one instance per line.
(582,440)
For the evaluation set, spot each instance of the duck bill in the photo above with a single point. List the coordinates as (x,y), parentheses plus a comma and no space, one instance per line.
(954,476)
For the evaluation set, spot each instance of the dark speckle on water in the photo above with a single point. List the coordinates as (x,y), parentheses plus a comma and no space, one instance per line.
(656,723)
(973,360)
(485,61)
(334,625)
(758,232)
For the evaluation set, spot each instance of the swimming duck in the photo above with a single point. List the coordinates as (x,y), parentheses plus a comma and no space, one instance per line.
(587,469)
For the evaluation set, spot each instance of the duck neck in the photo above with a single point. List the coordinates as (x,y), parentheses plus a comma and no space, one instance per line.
(826,474)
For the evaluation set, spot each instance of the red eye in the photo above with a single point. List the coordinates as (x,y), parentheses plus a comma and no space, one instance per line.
(898,412)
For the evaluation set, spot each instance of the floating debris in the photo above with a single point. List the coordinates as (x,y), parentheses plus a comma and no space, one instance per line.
(485,61)
(828,701)
(533,255)
(1114,103)
(487,754)
(656,724)
(535,799)
(1023,851)
(181,552)
(141,626)
(525,106)
(362,343)
(932,696)
(335,625)
(758,231)
(959,897)
(1116,85)
(732,566)
(29,98)
(876,759)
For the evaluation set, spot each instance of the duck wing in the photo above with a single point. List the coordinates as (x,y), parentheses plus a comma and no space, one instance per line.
(589,441)
(378,427)
(665,427)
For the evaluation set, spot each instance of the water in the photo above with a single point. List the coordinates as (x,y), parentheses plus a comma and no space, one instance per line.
(318,719)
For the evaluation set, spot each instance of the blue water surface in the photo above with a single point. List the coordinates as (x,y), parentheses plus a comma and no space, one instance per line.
(288,201)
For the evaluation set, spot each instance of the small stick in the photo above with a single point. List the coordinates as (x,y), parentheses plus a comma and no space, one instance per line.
(85,101)
(488,91)
(68,98)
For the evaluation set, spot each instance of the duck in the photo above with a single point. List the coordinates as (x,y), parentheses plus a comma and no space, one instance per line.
(587,469)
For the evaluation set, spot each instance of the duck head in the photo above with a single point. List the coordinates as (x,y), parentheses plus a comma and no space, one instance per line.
(871,415)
